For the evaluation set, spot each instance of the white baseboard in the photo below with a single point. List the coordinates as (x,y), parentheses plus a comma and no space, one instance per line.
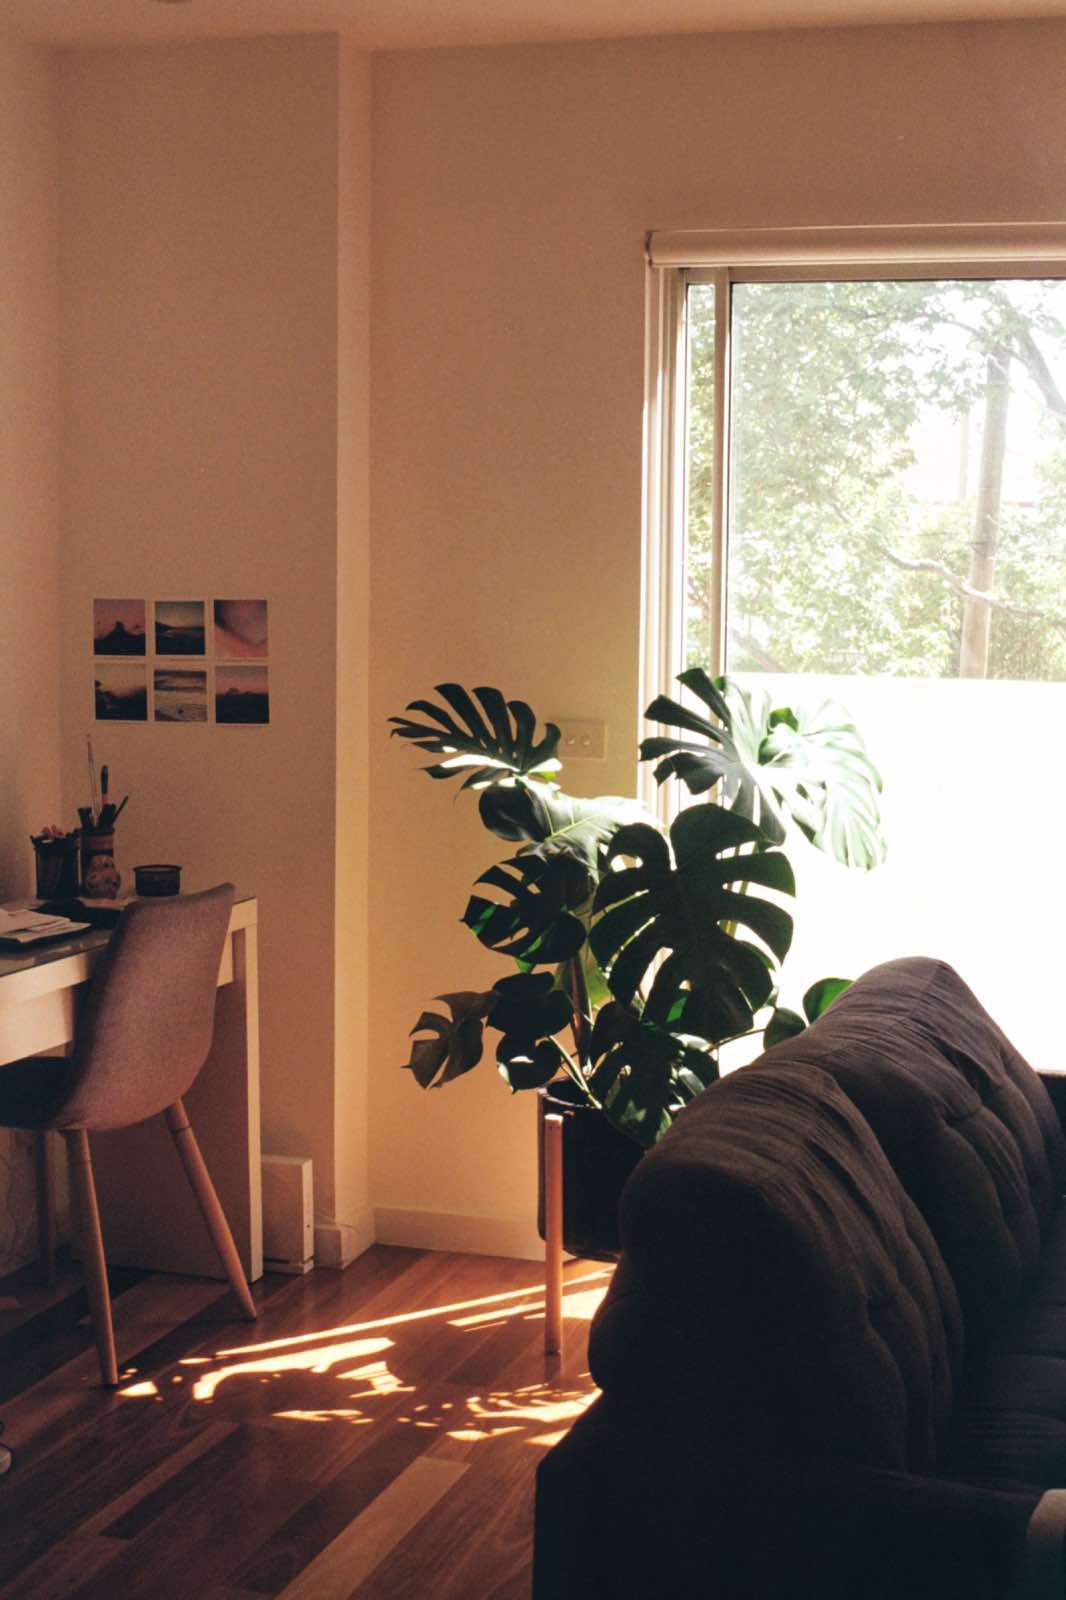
(444,1230)
(338,1243)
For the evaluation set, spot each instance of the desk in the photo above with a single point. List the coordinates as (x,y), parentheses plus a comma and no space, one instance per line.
(150,1218)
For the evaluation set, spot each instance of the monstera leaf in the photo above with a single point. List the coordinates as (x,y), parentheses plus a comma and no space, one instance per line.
(528,1010)
(552,822)
(486,740)
(457,1040)
(643,1073)
(774,764)
(785,1024)
(536,924)
(818,770)
(680,908)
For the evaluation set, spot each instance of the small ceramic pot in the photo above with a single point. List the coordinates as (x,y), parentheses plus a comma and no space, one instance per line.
(100,878)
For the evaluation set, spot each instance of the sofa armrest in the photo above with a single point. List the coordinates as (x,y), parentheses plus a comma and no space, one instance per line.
(639,1511)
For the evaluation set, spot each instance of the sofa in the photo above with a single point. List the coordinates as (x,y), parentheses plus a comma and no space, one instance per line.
(833,1352)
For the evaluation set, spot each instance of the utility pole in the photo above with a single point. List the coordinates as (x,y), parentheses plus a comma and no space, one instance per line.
(977,613)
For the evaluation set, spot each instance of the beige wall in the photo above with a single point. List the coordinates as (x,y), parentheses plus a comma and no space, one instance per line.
(512,191)
(201,213)
(215,287)
(29,620)
(29,616)
(351,997)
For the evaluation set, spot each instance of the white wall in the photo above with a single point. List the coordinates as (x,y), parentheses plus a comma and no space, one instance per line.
(512,191)
(29,620)
(352,865)
(202,197)
(29,612)
(215,434)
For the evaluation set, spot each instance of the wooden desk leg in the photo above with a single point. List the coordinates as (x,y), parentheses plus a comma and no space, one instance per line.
(553,1235)
(46,1206)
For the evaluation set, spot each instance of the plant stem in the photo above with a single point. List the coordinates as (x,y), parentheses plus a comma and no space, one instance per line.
(579,1078)
(749,1033)
(579,1000)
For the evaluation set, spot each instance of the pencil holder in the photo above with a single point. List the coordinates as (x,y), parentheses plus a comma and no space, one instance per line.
(56,861)
(100,878)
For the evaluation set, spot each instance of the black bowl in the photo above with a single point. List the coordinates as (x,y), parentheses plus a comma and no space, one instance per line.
(160,878)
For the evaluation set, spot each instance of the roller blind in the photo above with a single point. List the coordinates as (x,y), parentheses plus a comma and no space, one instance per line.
(807,247)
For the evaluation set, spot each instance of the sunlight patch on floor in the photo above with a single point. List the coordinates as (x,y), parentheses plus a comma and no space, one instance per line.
(354,1355)
(275,1365)
(600,1276)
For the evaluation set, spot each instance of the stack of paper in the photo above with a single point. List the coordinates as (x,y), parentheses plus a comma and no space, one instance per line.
(27,927)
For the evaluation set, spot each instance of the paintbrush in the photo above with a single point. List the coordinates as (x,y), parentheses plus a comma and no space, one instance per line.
(93,795)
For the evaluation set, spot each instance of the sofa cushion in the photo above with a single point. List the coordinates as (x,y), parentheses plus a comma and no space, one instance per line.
(1009,1428)
(964,1120)
(777,1281)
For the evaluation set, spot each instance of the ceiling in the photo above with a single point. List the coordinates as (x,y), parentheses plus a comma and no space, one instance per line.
(418,24)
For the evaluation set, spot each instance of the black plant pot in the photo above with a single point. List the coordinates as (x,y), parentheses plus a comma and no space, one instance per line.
(597,1160)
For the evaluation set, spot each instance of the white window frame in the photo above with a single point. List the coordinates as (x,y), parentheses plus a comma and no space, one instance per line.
(786,255)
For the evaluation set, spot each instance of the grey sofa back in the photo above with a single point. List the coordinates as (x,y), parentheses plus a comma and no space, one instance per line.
(964,1120)
(813,1245)
(777,1280)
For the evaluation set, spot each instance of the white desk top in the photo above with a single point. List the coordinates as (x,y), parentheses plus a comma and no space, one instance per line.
(80,951)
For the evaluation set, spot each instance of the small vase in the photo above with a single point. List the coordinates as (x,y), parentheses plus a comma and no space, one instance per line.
(597,1160)
(100,878)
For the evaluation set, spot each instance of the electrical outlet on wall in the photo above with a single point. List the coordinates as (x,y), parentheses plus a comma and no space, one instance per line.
(583,738)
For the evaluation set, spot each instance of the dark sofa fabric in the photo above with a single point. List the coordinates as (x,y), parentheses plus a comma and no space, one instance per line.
(787,1280)
(964,1121)
(833,1354)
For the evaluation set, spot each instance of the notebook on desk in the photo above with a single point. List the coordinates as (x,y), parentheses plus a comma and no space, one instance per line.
(21,928)
(97,913)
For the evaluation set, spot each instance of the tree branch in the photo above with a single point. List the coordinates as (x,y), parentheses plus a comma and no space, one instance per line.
(764,661)
(959,586)
(1032,358)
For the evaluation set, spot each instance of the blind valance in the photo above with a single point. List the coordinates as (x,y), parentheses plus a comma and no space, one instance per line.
(866,245)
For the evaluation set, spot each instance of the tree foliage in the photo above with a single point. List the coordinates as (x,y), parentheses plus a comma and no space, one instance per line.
(836,563)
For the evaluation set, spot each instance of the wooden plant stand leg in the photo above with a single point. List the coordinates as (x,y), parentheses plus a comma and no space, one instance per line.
(92,1244)
(553,1235)
(204,1190)
(46,1206)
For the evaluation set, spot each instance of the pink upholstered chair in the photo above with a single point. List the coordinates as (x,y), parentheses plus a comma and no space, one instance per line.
(144,1033)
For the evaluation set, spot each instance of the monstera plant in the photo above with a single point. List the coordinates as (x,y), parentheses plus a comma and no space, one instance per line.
(637,951)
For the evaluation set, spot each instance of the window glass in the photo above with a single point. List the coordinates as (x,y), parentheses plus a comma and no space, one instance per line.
(896,541)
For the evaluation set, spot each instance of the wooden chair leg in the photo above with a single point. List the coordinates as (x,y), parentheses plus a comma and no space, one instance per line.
(92,1243)
(553,1235)
(46,1206)
(214,1216)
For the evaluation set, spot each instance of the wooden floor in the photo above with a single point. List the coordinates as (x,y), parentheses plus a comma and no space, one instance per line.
(372,1437)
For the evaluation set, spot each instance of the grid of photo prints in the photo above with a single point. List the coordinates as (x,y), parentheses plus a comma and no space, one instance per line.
(181,661)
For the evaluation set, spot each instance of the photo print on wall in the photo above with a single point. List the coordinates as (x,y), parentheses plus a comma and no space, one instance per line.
(240,630)
(118,628)
(184,652)
(242,694)
(120,691)
(179,628)
(180,694)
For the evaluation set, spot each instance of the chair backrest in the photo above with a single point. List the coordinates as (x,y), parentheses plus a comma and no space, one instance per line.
(145,1028)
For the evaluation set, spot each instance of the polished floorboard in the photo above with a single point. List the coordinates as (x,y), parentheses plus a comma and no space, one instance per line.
(372,1437)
